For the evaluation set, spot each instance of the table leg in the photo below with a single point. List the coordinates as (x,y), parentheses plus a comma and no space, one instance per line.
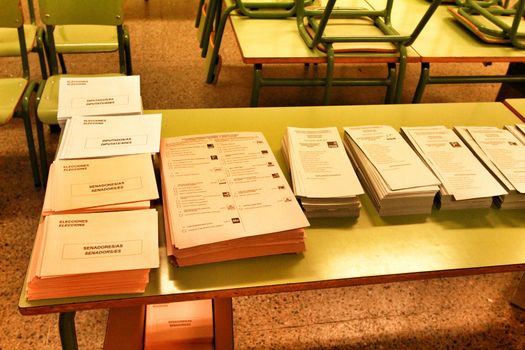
(519,296)
(223,323)
(513,90)
(68,334)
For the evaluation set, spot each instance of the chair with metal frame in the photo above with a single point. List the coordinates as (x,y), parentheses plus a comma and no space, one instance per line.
(341,30)
(492,21)
(16,92)
(211,21)
(70,12)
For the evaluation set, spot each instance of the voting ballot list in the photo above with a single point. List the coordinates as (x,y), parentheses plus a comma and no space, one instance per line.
(503,155)
(92,254)
(323,179)
(104,136)
(395,178)
(225,198)
(78,184)
(90,96)
(465,182)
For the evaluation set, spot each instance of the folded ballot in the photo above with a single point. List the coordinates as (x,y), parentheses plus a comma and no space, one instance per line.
(395,178)
(185,325)
(465,182)
(504,156)
(100,184)
(93,254)
(323,179)
(226,198)
(90,96)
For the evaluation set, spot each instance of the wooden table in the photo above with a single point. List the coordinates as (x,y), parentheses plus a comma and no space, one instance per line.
(339,252)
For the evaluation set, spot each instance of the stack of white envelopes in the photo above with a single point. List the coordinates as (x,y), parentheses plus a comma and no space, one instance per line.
(504,156)
(100,184)
(395,178)
(226,198)
(323,179)
(465,182)
(97,234)
(93,254)
(95,96)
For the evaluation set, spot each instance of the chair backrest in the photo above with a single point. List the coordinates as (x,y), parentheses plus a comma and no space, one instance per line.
(11,17)
(99,12)
(86,12)
(11,14)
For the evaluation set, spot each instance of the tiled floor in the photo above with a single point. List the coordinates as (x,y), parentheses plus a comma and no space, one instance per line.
(454,313)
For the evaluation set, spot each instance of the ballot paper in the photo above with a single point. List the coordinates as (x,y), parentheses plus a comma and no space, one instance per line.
(90,96)
(396,180)
(85,183)
(504,150)
(99,242)
(514,199)
(181,325)
(322,176)
(103,136)
(518,131)
(222,191)
(393,158)
(460,172)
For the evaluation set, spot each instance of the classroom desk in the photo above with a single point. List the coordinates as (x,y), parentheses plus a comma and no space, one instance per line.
(339,252)
(444,40)
(277,41)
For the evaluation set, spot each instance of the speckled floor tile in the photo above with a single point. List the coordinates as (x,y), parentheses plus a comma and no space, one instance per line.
(454,313)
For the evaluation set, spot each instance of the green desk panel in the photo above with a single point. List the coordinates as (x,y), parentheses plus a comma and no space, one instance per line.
(339,252)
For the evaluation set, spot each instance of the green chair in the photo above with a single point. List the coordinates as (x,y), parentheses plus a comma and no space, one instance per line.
(210,16)
(70,12)
(86,32)
(17,39)
(343,30)
(492,21)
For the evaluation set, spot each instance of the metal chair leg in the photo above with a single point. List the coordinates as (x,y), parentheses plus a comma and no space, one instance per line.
(423,79)
(256,86)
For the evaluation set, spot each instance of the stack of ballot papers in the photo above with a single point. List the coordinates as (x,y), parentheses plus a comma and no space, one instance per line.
(226,198)
(518,130)
(93,96)
(93,254)
(185,325)
(100,184)
(323,179)
(104,136)
(465,182)
(504,156)
(396,179)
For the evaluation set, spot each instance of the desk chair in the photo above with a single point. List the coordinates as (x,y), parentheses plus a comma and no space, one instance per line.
(70,12)
(83,33)
(210,16)
(17,39)
(492,22)
(341,30)
(461,45)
